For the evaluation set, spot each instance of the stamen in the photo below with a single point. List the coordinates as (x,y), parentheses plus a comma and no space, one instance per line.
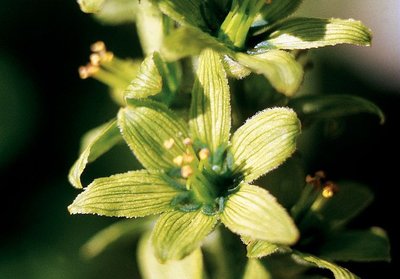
(187,141)
(204,153)
(316,180)
(169,143)
(83,72)
(320,174)
(187,158)
(98,46)
(186,171)
(178,160)
(107,56)
(329,190)
(88,71)
(95,59)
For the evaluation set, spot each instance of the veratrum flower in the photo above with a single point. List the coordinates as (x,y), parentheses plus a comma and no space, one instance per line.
(254,35)
(195,175)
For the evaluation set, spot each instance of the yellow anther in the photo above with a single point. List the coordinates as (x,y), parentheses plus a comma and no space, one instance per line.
(187,141)
(92,69)
(320,174)
(87,71)
(186,171)
(187,158)
(169,143)
(107,56)
(316,180)
(329,190)
(98,46)
(95,59)
(83,72)
(204,153)
(178,160)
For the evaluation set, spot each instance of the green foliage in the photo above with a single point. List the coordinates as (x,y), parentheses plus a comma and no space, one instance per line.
(253,212)
(95,143)
(198,157)
(191,267)
(210,114)
(338,272)
(264,142)
(178,234)
(305,33)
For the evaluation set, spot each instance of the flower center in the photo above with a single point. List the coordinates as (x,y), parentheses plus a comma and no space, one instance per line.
(208,176)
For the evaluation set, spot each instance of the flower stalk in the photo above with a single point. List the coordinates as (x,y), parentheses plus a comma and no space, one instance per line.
(237,23)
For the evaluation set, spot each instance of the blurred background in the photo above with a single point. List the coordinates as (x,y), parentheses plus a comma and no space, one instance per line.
(45,108)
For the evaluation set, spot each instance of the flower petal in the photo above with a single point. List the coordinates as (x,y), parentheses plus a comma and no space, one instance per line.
(264,142)
(180,43)
(116,11)
(255,213)
(286,188)
(112,234)
(235,69)
(177,234)
(190,267)
(185,12)
(305,33)
(150,26)
(338,272)
(131,194)
(255,270)
(315,107)
(260,248)
(280,67)
(348,202)
(90,6)
(361,246)
(210,112)
(277,10)
(95,143)
(148,81)
(146,127)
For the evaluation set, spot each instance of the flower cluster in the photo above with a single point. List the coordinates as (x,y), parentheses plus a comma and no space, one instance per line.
(199,170)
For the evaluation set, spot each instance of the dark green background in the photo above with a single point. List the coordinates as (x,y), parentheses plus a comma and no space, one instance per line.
(45,108)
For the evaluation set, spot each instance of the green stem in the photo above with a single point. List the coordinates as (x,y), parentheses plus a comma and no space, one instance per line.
(305,201)
(214,246)
(237,23)
(311,217)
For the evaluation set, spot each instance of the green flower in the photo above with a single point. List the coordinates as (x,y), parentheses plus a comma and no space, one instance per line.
(196,175)
(321,212)
(254,36)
